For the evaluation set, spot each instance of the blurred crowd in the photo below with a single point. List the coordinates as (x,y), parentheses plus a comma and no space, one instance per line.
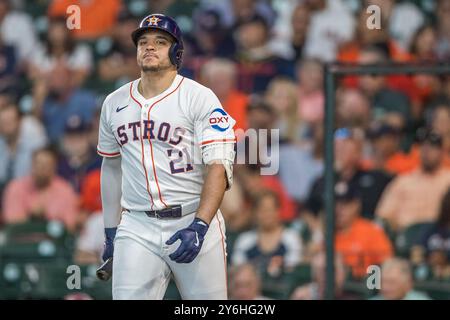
(264,60)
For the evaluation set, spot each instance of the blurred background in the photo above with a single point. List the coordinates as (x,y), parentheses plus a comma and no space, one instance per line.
(264,60)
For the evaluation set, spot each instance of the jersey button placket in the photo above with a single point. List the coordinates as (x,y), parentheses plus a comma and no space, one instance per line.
(148,158)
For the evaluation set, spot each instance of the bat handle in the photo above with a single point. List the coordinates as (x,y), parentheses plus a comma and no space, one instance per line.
(104,272)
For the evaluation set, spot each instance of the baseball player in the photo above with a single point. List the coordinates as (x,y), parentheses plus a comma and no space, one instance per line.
(168,148)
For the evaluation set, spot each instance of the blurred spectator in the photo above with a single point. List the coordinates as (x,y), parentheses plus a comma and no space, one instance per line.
(119,63)
(252,143)
(332,24)
(397,282)
(436,241)
(159,5)
(20,136)
(415,197)
(245,283)
(443,28)
(281,95)
(42,194)
(348,158)
(300,23)
(220,75)
(90,194)
(383,99)
(258,63)
(9,70)
(17,30)
(423,44)
(360,242)
(386,152)
(210,37)
(237,213)
(402,19)
(352,108)
(423,50)
(78,157)
(438,119)
(235,11)
(90,242)
(56,100)
(271,246)
(98,17)
(384,48)
(301,165)
(316,289)
(60,53)
(253,183)
(379,37)
(311,98)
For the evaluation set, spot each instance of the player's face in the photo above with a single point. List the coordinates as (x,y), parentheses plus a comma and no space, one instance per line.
(153,51)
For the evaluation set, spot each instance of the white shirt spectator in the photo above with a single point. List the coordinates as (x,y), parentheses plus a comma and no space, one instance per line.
(32,136)
(299,170)
(92,238)
(17,30)
(80,58)
(405,20)
(290,246)
(330,27)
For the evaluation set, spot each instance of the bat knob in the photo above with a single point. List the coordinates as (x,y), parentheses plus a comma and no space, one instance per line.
(104,272)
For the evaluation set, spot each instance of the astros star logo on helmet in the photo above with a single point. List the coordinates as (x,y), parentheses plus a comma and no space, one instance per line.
(153,20)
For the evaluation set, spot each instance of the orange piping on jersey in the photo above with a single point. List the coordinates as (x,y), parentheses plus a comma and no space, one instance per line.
(151,145)
(142,148)
(224,255)
(218,140)
(104,154)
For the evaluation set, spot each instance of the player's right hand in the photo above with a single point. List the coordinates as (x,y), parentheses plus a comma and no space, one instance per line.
(108,249)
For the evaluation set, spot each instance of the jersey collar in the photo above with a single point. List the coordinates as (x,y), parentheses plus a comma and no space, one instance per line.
(144,101)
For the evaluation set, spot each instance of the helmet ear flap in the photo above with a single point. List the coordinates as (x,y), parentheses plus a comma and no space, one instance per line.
(176,54)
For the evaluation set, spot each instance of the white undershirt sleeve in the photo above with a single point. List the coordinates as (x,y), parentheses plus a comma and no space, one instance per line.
(111,189)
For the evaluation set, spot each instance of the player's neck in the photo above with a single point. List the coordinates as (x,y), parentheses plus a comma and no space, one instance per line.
(154,83)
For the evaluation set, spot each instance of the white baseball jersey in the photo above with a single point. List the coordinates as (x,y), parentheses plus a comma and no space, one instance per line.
(160,141)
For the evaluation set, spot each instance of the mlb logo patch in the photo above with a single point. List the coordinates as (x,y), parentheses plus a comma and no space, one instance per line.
(219,120)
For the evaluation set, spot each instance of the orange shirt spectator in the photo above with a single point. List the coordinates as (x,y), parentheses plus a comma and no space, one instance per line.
(405,84)
(90,192)
(399,163)
(414,157)
(386,155)
(362,245)
(236,105)
(57,201)
(97,16)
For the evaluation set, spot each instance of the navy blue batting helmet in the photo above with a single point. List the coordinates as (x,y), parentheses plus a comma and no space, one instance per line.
(167,24)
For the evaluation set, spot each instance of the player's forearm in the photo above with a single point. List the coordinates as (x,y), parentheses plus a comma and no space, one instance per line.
(212,192)
(111,183)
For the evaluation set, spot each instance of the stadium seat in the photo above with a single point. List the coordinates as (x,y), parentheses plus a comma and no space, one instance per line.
(405,239)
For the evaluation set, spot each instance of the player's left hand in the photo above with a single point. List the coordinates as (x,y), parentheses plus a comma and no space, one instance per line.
(191,241)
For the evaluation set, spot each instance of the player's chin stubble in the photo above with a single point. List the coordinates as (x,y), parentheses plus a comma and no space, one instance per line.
(157,68)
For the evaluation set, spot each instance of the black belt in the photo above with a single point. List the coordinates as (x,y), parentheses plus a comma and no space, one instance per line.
(166,213)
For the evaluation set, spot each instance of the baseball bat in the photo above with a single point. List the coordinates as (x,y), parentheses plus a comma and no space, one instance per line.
(104,272)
